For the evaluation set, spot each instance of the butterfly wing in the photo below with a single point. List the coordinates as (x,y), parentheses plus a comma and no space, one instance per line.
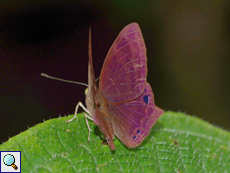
(123,76)
(92,88)
(132,120)
(105,125)
(94,99)
(123,83)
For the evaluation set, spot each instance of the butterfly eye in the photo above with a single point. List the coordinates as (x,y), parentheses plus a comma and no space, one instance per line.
(86,91)
(146,99)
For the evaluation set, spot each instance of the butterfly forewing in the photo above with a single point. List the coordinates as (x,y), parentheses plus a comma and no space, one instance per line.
(123,76)
(133,120)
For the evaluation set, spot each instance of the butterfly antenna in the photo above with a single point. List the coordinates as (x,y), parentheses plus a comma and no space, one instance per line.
(63,80)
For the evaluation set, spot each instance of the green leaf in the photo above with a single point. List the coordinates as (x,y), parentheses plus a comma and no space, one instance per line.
(177,143)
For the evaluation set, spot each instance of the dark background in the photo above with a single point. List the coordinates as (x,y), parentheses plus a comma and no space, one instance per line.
(188,56)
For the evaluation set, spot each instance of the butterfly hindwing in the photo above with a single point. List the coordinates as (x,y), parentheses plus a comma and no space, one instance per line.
(133,120)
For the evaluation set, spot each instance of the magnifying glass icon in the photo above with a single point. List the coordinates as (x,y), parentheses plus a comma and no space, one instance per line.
(9,160)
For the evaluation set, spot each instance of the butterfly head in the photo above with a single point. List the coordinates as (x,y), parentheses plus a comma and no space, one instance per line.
(86,91)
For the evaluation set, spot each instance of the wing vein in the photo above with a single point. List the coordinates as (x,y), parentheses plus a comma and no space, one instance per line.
(125,44)
(127,64)
(129,119)
(124,57)
(138,112)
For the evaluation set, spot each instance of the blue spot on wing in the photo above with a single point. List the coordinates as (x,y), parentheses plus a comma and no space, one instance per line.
(138,131)
(134,137)
(146,99)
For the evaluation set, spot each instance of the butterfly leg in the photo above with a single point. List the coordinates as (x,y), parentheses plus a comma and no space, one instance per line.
(86,116)
(87,123)
(76,109)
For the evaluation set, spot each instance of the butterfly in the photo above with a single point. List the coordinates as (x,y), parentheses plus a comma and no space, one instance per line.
(123,104)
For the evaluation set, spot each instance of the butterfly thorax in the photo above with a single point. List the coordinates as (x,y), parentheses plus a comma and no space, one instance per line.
(96,100)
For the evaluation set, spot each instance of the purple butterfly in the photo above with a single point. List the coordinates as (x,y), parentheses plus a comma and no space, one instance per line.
(123,105)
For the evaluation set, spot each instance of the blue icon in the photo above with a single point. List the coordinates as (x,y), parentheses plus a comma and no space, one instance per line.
(9,160)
